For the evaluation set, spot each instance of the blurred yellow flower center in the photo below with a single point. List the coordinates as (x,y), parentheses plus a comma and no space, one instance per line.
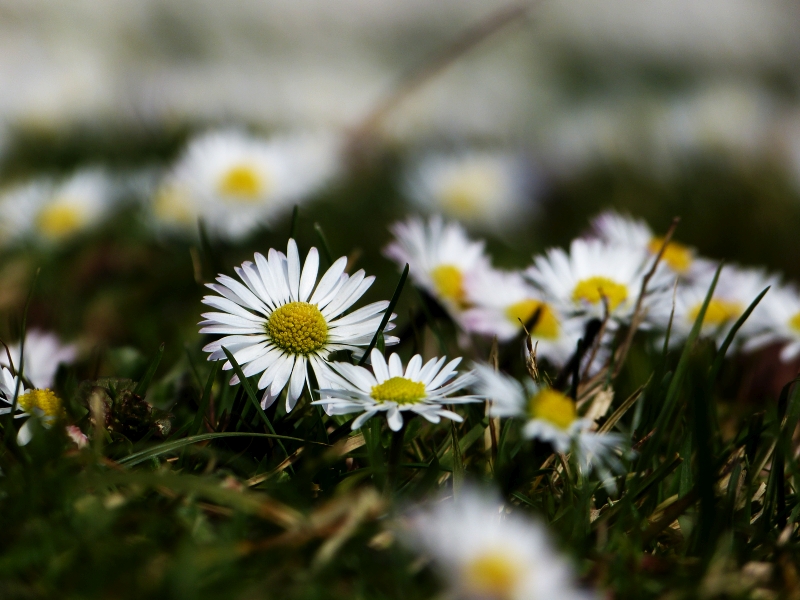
(553,407)
(243,183)
(399,390)
(794,322)
(298,328)
(546,325)
(59,220)
(677,256)
(449,282)
(172,204)
(718,312)
(593,290)
(44,400)
(493,575)
(467,194)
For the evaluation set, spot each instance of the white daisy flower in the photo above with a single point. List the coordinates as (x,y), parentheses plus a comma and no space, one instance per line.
(485,189)
(486,552)
(578,281)
(44,352)
(236,182)
(43,403)
(776,321)
(735,290)
(420,389)
(618,230)
(550,416)
(280,320)
(440,258)
(55,211)
(502,301)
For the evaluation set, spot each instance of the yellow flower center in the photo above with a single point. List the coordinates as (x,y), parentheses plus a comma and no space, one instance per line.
(593,289)
(794,322)
(243,183)
(298,328)
(58,220)
(677,256)
(553,407)
(547,326)
(44,400)
(399,390)
(467,194)
(449,283)
(172,204)
(718,312)
(493,575)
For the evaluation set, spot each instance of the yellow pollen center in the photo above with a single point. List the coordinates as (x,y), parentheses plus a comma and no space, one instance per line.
(449,283)
(677,256)
(59,220)
(553,407)
(172,204)
(399,390)
(467,194)
(593,290)
(546,326)
(242,183)
(298,328)
(493,575)
(718,312)
(794,322)
(44,400)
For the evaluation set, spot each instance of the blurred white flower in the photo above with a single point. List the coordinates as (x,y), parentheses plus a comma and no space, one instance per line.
(236,182)
(42,403)
(44,352)
(280,320)
(776,321)
(424,390)
(486,552)
(440,257)
(482,189)
(578,281)
(55,211)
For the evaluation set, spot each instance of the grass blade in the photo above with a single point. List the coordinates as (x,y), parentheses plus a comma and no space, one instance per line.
(205,398)
(141,387)
(323,242)
(386,315)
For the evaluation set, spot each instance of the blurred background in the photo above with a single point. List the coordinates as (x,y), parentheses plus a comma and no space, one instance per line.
(663,108)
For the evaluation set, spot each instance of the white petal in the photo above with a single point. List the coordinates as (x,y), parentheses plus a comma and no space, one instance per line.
(309,275)
(328,281)
(379,366)
(296,383)
(362,418)
(25,433)
(395,366)
(282,374)
(293,266)
(395,419)
(413,368)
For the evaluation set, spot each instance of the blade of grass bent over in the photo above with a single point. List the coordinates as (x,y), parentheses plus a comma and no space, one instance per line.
(387,314)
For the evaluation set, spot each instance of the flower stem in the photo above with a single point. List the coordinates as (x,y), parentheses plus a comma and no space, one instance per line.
(395,452)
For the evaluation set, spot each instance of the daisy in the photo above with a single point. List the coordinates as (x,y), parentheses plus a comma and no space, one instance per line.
(487,552)
(237,182)
(44,352)
(440,258)
(578,281)
(736,289)
(550,416)
(420,389)
(502,301)
(486,189)
(280,319)
(43,403)
(618,230)
(55,211)
(777,320)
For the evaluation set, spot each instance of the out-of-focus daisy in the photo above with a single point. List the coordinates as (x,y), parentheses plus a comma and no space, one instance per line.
(550,416)
(485,553)
(236,182)
(43,403)
(578,281)
(735,290)
(440,257)
(618,230)
(279,320)
(502,302)
(44,352)
(55,211)
(777,320)
(485,189)
(420,389)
